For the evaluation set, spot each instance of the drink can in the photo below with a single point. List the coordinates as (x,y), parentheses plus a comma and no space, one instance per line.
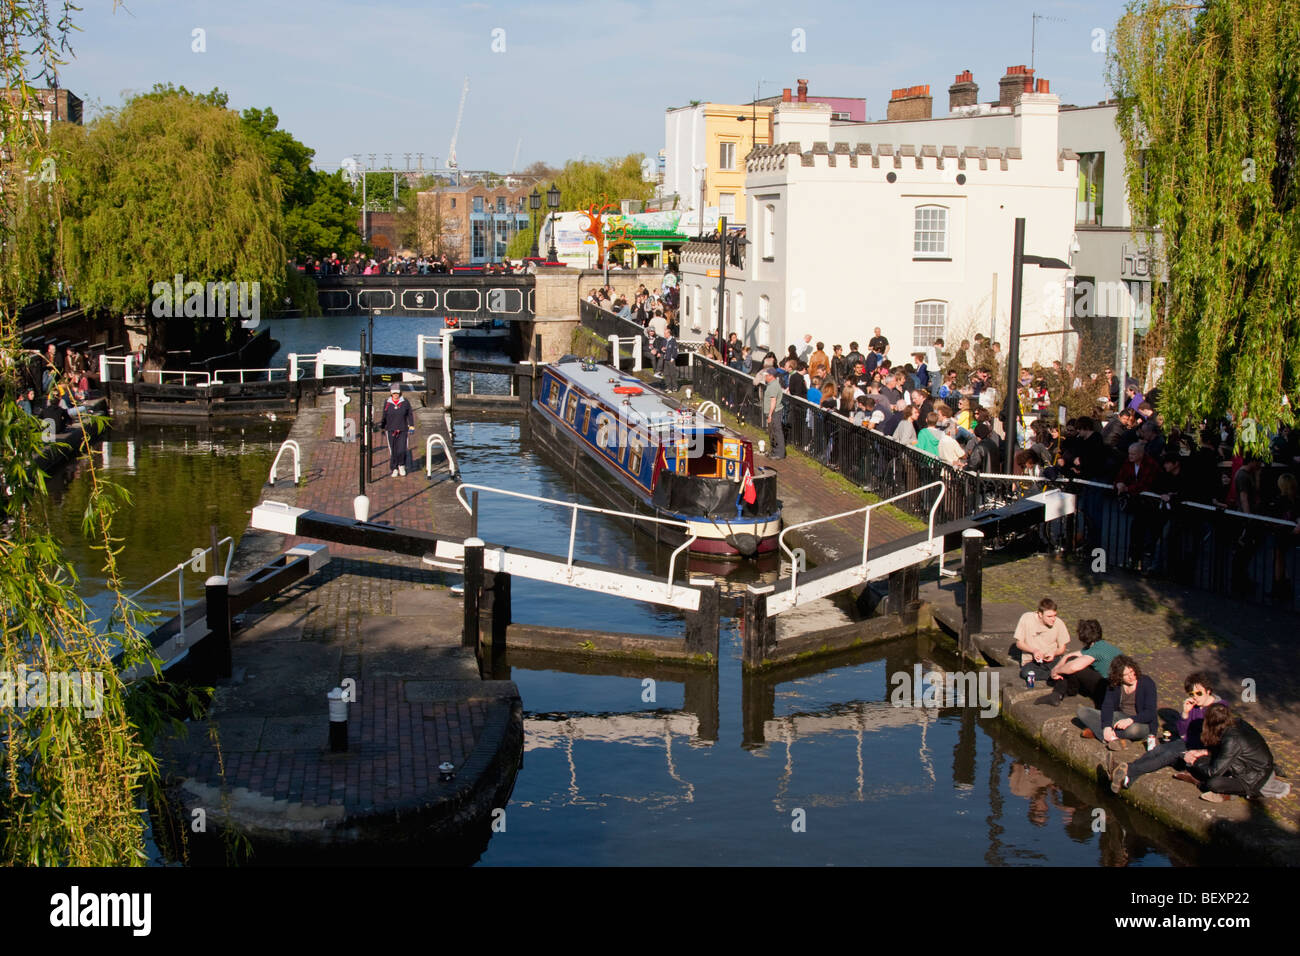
(1151,741)
(1029,678)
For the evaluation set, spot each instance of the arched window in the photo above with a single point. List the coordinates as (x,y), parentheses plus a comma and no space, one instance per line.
(762,334)
(769,231)
(930,233)
(929,322)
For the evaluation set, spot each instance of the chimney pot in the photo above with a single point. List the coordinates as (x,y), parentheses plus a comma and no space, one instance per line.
(785,95)
(803,90)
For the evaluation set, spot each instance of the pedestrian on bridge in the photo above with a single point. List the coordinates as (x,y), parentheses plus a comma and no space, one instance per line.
(398,422)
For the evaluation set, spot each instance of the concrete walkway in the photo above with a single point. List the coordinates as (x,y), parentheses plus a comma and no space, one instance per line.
(261,763)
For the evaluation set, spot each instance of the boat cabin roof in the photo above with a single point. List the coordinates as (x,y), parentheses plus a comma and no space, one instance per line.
(650,408)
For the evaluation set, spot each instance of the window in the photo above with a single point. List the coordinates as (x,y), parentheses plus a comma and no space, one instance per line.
(479,241)
(478,203)
(739,314)
(930,238)
(553,396)
(635,450)
(699,309)
(929,320)
(586,418)
(1092,169)
(726,155)
(520,206)
(727,204)
(501,204)
(453,203)
(571,408)
(764,320)
(769,231)
(841,116)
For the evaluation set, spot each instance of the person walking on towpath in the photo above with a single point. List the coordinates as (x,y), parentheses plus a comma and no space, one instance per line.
(397,422)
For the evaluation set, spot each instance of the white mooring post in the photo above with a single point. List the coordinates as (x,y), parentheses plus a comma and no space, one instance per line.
(340,411)
(128,367)
(419,353)
(614,346)
(293,367)
(103,367)
(446,369)
(636,352)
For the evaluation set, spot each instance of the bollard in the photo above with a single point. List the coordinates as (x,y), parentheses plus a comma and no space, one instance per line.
(473,591)
(361,508)
(760,630)
(702,626)
(972,573)
(338,709)
(218,617)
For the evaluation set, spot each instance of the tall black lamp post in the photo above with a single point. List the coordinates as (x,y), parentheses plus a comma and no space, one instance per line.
(1011,401)
(553,204)
(535,203)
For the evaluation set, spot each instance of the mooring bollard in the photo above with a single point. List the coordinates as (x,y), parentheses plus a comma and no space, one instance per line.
(473,591)
(338,707)
(361,507)
(218,617)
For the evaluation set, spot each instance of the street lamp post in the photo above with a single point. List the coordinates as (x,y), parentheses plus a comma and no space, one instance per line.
(553,204)
(1011,401)
(534,204)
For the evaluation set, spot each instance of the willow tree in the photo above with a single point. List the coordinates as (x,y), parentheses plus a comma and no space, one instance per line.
(1209,107)
(170,184)
(74,764)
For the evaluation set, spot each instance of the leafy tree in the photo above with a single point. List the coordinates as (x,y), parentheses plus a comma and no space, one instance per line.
(319,214)
(71,778)
(168,185)
(521,244)
(583,183)
(1209,107)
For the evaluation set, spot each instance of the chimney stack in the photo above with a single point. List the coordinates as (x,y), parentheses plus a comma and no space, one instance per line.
(785,95)
(803,90)
(1018,80)
(910,103)
(1043,87)
(963,92)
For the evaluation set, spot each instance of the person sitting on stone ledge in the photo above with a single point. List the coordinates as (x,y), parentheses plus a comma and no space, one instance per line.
(1199,697)
(1041,638)
(1128,711)
(1082,672)
(1234,760)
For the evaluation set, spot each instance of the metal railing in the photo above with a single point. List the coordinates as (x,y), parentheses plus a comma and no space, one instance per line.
(616,350)
(289,444)
(179,571)
(109,362)
(865,457)
(703,407)
(573,524)
(203,379)
(270,374)
(436,439)
(866,529)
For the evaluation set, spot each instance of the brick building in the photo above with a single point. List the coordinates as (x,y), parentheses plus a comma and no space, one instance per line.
(473,224)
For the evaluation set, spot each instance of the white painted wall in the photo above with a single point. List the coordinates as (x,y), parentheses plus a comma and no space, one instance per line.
(683,149)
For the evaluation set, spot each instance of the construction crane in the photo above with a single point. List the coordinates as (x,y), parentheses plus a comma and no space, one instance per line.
(460,114)
(519,144)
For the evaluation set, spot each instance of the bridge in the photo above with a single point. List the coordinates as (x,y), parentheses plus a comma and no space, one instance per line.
(478,298)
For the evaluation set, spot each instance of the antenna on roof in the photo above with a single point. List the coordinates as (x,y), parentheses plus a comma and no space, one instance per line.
(1033,36)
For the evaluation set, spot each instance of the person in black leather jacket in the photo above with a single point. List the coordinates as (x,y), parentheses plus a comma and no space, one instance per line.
(1238,760)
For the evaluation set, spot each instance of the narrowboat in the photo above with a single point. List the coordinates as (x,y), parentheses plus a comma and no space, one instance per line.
(665,459)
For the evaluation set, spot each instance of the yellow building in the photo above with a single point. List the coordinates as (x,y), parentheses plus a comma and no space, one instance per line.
(709,141)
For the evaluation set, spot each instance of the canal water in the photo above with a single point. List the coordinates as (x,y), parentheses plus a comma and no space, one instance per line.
(630,766)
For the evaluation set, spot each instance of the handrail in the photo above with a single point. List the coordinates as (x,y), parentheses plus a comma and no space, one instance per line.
(866,529)
(292,445)
(217,380)
(436,439)
(179,570)
(717,412)
(573,526)
(185,376)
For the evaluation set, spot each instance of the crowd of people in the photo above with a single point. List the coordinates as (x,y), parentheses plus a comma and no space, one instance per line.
(358,264)
(55,385)
(1208,744)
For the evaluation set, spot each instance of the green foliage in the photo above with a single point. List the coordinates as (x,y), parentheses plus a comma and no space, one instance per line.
(521,244)
(584,183)
(168,185)
(1209,107)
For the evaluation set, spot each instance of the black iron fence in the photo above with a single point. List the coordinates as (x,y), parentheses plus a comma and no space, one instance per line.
(605,323)
(871,461)
(1243,556)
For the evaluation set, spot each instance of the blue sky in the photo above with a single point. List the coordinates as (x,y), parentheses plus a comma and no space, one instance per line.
(574,77)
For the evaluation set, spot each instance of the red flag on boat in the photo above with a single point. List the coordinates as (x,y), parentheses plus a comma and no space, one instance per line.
(749,494)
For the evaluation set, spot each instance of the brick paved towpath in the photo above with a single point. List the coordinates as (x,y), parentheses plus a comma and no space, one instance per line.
(392,626)
(1249,653)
